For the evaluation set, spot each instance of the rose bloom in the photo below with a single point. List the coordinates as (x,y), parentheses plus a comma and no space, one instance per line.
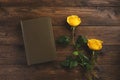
(95,44)
(73,20)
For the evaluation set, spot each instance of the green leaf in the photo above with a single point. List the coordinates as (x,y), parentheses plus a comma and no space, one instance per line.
(84,61)
(69,63)
(81,40)
(75,53)
(63,40)
(87,66)
(73,63)
(65,64)
(83,57)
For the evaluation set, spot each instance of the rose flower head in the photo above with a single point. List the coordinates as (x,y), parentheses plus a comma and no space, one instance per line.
(95,44)
(73,20)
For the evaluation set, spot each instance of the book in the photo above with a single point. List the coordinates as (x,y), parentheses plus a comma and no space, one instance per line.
(38,40)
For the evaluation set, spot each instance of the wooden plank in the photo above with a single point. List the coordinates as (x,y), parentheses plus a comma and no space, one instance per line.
(62,3)
(13,69)
(110,57)
(110,35)
(107,74)
(19,72)
(37,73)
(15,55)
(89,15)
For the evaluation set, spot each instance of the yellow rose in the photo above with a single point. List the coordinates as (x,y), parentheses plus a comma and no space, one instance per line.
(73,20)
(95,44)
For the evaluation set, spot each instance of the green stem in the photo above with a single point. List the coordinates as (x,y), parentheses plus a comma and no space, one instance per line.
(89,73)
(93,58)
(73,36)
(93,53)
(93,64)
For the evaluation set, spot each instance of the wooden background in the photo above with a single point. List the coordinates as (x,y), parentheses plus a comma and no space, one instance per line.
(100,19)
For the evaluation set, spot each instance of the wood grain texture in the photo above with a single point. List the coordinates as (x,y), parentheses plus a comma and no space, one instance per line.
(63,3)
(89,15)
(15,55)
(110,36)
(50,73)
(13,65)
(100,19)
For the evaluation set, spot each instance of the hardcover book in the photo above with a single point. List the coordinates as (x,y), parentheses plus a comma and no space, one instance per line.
(38,40)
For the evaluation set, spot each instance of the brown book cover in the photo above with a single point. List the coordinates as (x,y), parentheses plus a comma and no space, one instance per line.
(39,40)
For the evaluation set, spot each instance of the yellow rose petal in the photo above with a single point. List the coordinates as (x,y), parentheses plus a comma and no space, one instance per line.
(73,20)
(95,44)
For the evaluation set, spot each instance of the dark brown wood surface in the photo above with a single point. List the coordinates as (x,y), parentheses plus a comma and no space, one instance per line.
(100,19)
